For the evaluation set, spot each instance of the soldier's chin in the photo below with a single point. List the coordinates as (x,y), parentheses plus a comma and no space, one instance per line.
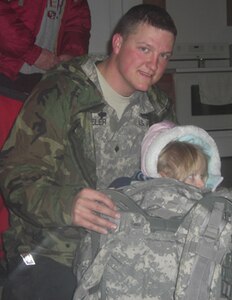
(143,87)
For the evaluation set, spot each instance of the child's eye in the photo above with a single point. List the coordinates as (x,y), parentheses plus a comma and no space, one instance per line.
(203,177)
(191,177)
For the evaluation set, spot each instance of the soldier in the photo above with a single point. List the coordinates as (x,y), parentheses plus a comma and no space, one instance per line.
(81,127)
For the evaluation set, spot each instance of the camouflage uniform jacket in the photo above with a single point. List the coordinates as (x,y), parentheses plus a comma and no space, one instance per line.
(50,156)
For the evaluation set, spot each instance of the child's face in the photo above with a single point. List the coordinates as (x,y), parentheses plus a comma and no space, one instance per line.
(196,180)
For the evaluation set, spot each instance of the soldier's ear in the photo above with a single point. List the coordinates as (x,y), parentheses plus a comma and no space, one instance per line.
(116,43)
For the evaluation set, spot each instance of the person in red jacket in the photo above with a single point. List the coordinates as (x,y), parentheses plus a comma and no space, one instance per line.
(37,35)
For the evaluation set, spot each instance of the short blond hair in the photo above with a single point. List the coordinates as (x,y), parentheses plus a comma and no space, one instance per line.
(179,159)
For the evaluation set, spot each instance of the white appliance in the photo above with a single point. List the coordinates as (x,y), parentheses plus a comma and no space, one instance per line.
(190,76)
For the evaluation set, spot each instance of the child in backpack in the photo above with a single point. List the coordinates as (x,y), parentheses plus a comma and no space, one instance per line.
(151,255)
(186,153)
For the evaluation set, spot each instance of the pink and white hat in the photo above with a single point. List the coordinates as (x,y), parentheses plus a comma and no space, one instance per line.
(160,134)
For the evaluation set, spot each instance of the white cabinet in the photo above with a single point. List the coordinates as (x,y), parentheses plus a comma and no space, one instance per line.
(105,14)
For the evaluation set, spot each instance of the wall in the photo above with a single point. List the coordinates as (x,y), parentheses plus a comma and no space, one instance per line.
(197,20)
(105,14)
(200,20)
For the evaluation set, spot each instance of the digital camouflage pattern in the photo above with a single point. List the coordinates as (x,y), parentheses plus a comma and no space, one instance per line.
(147,260)
(51,154)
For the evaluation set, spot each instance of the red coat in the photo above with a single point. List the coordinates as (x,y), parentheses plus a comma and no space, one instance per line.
(20,25)
(9,109)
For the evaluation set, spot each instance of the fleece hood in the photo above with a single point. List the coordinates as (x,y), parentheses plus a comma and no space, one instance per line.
(160,134)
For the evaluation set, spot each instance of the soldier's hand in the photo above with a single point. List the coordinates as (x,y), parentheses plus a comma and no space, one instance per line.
(88,205)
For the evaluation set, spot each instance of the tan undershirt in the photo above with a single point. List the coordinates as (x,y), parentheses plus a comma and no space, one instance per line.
(115,100)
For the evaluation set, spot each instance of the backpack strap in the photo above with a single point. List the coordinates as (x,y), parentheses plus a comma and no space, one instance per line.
(207,249)
(127,204)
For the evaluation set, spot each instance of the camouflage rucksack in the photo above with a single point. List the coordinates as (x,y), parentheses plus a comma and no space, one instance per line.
(171,243)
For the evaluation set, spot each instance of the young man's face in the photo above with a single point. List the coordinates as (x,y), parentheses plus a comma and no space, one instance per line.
(142,57)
